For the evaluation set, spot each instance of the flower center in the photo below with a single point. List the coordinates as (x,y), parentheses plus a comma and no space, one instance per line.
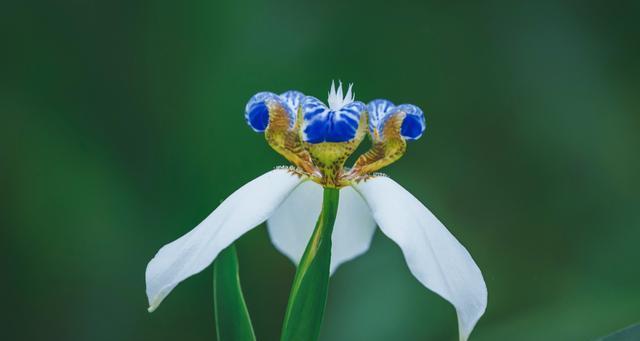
(318,139)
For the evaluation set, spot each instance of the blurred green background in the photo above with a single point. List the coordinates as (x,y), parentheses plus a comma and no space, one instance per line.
(122,128)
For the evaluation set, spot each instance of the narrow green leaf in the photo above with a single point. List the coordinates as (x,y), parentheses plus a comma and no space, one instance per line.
(631,333)
(311,283)
(232,317)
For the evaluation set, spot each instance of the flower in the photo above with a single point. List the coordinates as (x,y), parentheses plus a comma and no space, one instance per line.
(317,139)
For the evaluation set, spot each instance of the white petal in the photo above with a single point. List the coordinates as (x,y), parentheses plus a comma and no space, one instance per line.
(245,209)
(433,255)
(291,226)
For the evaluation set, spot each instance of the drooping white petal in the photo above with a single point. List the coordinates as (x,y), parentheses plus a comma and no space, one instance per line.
(243,210)
(291,226)
(433,255)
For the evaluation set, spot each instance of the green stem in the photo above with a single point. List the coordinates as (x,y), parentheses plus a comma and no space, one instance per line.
(308,296)
(232,317)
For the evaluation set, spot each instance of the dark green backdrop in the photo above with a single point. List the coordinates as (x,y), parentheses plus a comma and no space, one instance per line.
(122,127)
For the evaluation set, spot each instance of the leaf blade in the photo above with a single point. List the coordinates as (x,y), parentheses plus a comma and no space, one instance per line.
(233,322)
(630,333)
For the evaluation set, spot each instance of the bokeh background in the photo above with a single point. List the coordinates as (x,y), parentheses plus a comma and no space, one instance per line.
(122,127)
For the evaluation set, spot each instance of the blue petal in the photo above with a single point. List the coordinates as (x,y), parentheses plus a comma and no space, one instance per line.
(258,117)
(324,125)
(413,124)
(378,109)
(257,109)
(257,112)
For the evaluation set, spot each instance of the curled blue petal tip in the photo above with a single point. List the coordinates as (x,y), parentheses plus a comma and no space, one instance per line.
(381,110)
(259,107)
(414,122)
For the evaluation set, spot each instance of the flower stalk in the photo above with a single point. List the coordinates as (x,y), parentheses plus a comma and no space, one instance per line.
(308,295)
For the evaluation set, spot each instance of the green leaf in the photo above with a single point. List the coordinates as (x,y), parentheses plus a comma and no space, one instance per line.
(310,285)
(631,333)
(232,317)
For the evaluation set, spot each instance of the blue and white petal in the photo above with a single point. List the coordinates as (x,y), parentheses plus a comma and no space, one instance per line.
(258,109)
(378,109)
(293,99)
(413,125)
(321,124)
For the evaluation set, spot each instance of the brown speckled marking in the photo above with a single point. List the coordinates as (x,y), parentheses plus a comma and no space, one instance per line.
(385,150)
(286,141)
(329,157)
(323,162)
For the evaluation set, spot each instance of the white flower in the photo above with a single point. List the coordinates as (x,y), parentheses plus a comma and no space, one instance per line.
(289,200)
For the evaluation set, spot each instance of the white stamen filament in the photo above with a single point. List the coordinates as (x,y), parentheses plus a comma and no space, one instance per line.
(337,99)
